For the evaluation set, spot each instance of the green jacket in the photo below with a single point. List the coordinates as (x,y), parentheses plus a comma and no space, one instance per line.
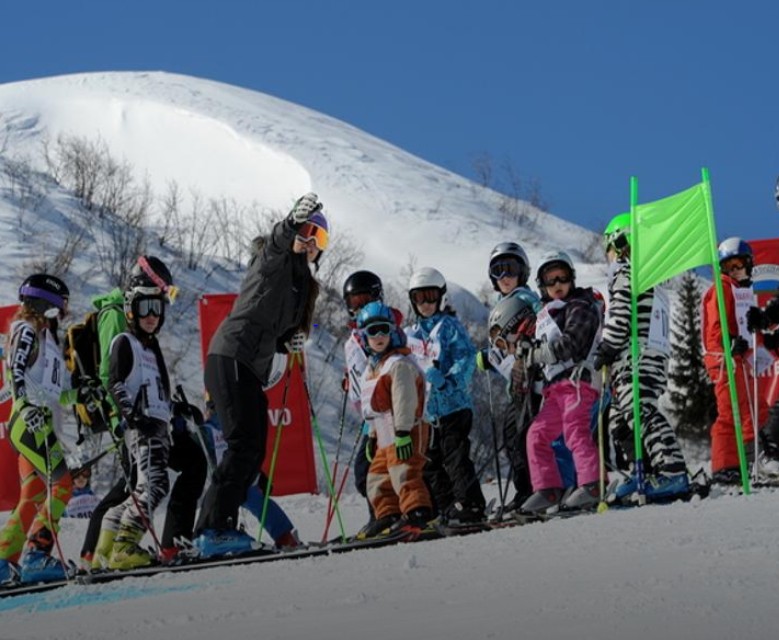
(110,323)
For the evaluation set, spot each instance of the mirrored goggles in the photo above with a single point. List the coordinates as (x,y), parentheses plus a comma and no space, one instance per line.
(431,294)
(505,269)
(310,231)
(150,307)
(356,301)
(550,282)
(378,329)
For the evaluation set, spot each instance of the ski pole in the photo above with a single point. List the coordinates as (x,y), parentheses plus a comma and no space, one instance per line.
(756,466)
(335,464)
(318,436)
(197,430)
(276,443)
(50,500)
(345,475)
(602,506)
(495,443)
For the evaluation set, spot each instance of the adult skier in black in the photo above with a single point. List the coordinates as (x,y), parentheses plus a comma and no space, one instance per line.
(273,312)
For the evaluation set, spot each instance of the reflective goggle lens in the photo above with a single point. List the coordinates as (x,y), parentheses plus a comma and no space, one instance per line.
(733,265)
(378,329)
(355,301)
(149,306)
(311,231)
(505,269)
(418,296)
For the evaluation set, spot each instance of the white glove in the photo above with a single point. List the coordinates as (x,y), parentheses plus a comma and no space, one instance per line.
(297,342)
(304,207)
(34,418)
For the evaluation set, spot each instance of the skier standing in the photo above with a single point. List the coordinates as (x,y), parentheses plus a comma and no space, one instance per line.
(273,311)
(37,371)
(393,397)
(140,386)
(567,331)
(444,351)
(668,476)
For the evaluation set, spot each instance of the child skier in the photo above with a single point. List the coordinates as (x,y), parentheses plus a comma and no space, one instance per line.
(567,331)
(668,477)
(392,400)
(37,371)
(140,386)
(444,351)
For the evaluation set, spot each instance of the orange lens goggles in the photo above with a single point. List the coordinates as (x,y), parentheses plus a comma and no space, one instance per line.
(311,231)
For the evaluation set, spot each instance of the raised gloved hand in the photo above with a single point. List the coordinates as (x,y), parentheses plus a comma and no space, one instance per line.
(404,447)
(738,346)
(757,320)
(297,342)
(605,356)
(34,417)
(304,207)
(434,376)
(370,449)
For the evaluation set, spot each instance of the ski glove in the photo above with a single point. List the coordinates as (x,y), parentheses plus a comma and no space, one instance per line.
(605,356)
(738,346)
(756,319)
(404,447)
(370,449)
(436,379)
(483,360)
(296,342)
(304,207)
(91,393)
(35,417)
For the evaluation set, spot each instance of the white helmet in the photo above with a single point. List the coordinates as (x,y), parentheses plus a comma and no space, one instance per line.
(427,278)
(554,259)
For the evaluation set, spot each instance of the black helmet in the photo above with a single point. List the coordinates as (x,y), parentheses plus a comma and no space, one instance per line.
(45,294)
(362,282)
(510,250)
(150,272)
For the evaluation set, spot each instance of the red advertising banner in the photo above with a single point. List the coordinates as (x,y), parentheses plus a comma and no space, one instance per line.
(295,470)
(9,475)
(765,282)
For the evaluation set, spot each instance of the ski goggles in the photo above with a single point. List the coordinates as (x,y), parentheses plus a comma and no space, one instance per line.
(550,282)
(310,231)
(356,301)
(734,264)
(505,269)
(378,329)
(431,294)
(150,307)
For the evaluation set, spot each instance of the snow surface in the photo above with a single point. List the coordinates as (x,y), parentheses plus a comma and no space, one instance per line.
(703,570)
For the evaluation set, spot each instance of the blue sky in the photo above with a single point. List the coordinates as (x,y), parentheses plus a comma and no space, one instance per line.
(576,95)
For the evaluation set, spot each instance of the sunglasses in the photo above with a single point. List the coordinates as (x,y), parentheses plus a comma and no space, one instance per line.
(310,231)
(418,296)
(733,265)
(378,329)
(505,269)
(561,279)
(150,307)
(356,301)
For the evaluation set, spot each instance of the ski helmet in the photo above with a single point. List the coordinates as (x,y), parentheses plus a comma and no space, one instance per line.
(375,314)
(150,273)
(508,251)
(360,288)
(511,316)
(45,295)
(554,259)
(617,233)
(424,280)
(735,247)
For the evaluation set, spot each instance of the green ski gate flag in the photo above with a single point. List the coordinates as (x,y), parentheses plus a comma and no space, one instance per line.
(675,235)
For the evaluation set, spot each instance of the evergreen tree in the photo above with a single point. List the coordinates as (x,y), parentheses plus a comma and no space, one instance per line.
(692,393)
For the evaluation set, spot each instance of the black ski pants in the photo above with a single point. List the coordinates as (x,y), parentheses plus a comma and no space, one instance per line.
(242,408)
(186,457)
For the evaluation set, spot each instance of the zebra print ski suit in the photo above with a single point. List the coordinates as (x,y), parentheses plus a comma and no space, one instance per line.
(660,442)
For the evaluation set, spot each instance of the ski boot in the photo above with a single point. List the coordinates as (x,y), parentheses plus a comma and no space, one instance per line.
(730,476)
(583,498)
(126,553)
(225,542)
(105,543)
(377,526)
(460,514)
(288,541)
(412,523)
(665,488)
(541,503)
(10,572)
(39,566)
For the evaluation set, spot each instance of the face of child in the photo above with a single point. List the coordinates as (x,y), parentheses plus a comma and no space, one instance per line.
(557,282)
(426,309)
(507,284)
(378,344)
(301,245)
(149,323)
